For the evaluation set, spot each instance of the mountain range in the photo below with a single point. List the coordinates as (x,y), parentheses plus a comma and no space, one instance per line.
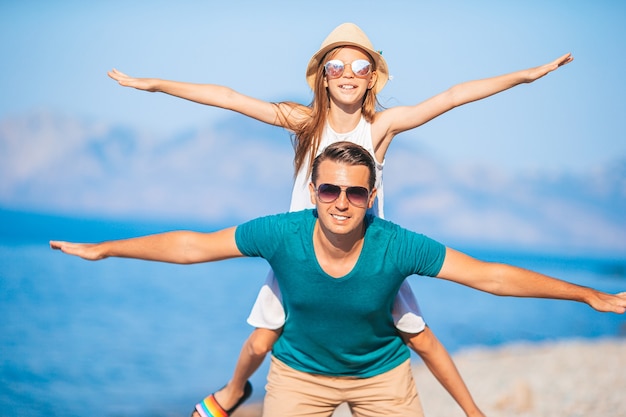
(238,169)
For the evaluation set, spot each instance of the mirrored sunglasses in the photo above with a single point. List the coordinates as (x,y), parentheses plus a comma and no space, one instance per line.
(357,196)
(360,68)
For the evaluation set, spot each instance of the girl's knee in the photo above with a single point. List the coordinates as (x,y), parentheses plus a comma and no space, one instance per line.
(261,341)
(419,342)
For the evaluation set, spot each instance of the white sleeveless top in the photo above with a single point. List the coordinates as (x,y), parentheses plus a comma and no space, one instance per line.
(361,135)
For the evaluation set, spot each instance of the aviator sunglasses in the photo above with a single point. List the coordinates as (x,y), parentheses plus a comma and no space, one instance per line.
(360,68)
(358,196)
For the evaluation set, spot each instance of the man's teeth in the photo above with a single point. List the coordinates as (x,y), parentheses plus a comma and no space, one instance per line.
(338,217)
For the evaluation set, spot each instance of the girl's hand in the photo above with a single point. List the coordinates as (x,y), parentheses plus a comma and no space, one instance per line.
(540,71)
(145,84)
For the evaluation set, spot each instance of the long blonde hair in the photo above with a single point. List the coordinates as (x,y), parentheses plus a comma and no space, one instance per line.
(307,134)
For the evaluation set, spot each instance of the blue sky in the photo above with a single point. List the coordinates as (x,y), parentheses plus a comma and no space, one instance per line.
(55,56)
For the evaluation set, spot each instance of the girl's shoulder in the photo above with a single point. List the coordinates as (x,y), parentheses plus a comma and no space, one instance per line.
(383,117)
(295,111)
(381,126)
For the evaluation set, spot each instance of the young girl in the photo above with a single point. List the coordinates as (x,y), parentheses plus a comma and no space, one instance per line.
(345,74)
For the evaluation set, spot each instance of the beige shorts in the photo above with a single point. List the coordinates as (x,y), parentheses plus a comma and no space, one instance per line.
(293,393)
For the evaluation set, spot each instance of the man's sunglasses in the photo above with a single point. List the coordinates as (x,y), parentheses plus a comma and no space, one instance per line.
(360,68)
(358,196)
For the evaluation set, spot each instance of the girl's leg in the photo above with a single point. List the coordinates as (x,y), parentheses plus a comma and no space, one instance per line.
(268,317)
(252,354)
(411,326)
(439,362)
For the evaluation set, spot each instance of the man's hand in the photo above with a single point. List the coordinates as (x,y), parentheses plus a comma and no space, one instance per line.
(613,303)
(89,251)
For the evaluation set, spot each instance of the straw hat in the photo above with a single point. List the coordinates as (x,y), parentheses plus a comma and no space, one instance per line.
(349,34)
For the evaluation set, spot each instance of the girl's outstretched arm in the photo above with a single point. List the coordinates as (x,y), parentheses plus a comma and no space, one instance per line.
(211,95)
(402,118)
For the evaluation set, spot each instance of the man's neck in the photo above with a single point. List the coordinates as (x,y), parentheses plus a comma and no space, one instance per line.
(337,254)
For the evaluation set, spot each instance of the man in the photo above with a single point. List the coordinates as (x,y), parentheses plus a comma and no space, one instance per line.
(339,270)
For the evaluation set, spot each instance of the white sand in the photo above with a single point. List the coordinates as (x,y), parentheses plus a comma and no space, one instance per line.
(564,379)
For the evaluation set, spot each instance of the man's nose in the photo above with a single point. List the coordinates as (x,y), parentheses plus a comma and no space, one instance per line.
(342,201)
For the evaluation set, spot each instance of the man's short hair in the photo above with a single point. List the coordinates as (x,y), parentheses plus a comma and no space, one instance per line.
(348,153)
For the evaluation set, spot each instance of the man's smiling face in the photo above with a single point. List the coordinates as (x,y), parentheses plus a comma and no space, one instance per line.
(341,217)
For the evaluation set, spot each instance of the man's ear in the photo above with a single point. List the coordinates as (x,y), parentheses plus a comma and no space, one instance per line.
(370,203)
(312,193)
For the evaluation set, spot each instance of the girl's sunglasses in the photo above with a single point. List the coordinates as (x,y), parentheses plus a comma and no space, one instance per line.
(358,196)
(360,68)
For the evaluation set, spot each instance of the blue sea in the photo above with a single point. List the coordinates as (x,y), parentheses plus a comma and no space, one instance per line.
(130,338)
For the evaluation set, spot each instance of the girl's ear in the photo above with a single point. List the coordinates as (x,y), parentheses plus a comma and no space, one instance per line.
(372,81)
(325,82)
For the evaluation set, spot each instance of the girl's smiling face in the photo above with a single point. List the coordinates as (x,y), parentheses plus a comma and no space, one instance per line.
(348,88)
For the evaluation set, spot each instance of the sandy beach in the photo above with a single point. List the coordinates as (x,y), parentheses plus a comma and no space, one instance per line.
(566,379)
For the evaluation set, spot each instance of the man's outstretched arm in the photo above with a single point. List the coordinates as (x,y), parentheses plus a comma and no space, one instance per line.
(508,280)
(180,247)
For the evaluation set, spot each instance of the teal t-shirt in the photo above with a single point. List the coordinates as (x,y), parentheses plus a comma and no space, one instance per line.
(339,326)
